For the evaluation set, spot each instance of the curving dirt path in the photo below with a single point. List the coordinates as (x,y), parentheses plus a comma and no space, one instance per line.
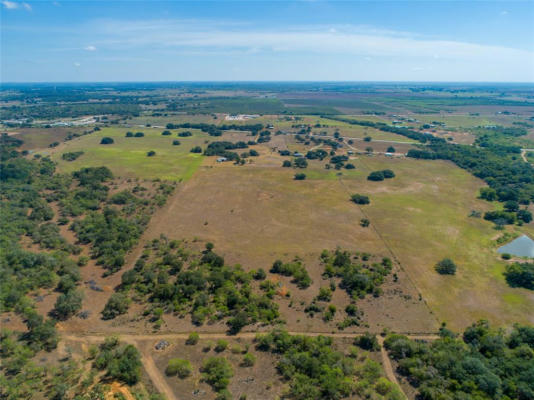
(159,381)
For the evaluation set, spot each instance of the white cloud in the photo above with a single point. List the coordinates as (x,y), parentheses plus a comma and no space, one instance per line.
(90,48)
(77,64)
(504,12)
(10,5)
(206,36)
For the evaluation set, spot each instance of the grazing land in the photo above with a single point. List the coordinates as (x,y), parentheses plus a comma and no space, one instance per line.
(149,240)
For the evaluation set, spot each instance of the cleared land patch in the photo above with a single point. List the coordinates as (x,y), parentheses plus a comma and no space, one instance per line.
(127,157)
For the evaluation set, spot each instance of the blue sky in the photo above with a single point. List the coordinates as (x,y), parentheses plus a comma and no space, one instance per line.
(267,40)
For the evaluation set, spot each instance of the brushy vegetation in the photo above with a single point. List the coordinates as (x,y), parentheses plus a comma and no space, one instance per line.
(121,362)
(27,187)
(294,269)
(485,363)
(176,280)
(315,370)
(520,275)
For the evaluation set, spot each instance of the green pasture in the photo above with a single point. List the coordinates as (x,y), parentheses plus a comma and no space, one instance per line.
(456,121)
(127,157)
(422,214)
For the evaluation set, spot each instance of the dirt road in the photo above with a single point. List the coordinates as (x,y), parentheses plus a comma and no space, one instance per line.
(158,379)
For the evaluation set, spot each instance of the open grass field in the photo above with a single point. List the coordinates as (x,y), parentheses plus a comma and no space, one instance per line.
(127,157)
(456,121)
(258,213)
(422,214)
(38,138)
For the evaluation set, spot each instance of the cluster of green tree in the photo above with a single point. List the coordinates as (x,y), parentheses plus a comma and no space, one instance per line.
(358,276)
(294,269)
(381,175)
(339,161)
(185,134)
(88,194)
(520,275)
(216,130)
(22,377)
(403,131)
(360,199)
(222,149)
(136,134)
(71,155)
(485,363)
(300,177)
(23,207)
(315,370)
(51,111)
(300,162)
(177,280)
(110,234)
(217,372)
(25,212)
(250,153)
(8,147)
(500,138)
(264,137)
(121,362)
(318,154)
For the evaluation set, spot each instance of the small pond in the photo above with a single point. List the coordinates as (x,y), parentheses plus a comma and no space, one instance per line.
(523,246)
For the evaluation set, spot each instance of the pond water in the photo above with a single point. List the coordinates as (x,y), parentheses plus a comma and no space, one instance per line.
(523,246)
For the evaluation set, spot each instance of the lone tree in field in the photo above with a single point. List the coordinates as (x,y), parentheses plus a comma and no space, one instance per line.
(446,267)
(391,149)
(360,198)
(151,153)
(106,140)
(300,177)
(376,176)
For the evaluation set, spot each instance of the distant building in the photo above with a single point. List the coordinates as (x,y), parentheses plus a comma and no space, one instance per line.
(296,154)
(222,159)
(388,154)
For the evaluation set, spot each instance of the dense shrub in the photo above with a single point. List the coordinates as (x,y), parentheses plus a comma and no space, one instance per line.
(520,275)
(217,372)
(360,199)
(121,362)
(294,269)
(484,363)
(178,366)
(106,140)
(71,155)
(446,267)
(117,304)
